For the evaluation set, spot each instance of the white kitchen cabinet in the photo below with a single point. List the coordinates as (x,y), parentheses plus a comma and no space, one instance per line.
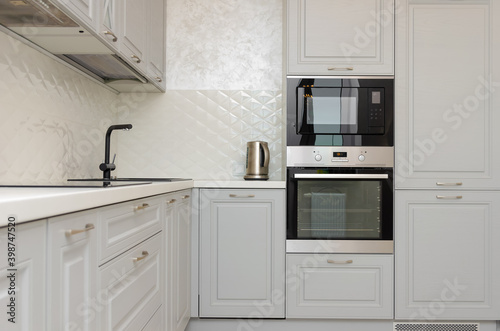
(24,281)
(126,224)
(447,254)
(156,42)
(340,37)
(109,23)
(342,286)
(447,74)
(133,31)
(85,10)
(131,287)
(71,272)
(178,266)
(242,253)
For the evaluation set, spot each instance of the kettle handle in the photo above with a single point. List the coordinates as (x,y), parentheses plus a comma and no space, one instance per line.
(265,160)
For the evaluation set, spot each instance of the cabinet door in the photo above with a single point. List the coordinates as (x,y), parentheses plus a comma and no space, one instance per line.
(133,31)
(340,37)
(131,288)
(109,24)
(85,10)
(242,252)
(156,42)
(24,280)
(71,273)
(178,267)
(447,74)
(339,286)
(447,253)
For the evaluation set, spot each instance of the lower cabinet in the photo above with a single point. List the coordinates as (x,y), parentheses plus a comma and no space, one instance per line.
(343,286)
(447,255)
(178,255)
(130,287)
(242,253)
(22,283)
(71,272)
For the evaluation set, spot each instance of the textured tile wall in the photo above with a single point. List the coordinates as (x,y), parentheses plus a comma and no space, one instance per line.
(52,119)
(224,80)
(224,60)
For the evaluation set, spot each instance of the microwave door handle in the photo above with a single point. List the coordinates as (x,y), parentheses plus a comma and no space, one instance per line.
(341,176)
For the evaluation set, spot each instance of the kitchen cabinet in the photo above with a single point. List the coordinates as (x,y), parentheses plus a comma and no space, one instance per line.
(109,23)
(126,224)
(447,253)
(133,31)
(131,286)
(447,70)
(71,272)
(178,266)
(156,42)
(242,253)
(340,37)
(342,286)
(27,243)
(85,10)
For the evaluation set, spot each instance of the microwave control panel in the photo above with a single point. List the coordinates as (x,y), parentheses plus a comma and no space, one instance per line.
(341,156)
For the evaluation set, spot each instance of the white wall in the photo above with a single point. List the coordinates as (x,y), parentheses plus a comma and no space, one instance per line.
(224,80)
(224,73)
(52,119)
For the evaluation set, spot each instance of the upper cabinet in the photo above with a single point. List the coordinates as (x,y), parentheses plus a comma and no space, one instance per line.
(447,73)
(340,37)
(133,31)
(86,10)
(156,41)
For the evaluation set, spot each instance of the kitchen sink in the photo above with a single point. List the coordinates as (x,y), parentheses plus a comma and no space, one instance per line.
(131,179)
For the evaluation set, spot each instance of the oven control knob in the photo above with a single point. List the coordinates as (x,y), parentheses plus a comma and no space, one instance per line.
(317,157)
(361,158)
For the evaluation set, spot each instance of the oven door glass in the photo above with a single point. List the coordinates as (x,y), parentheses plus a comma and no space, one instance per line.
(358,207)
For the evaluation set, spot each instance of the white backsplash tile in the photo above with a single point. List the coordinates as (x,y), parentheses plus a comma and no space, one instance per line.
(201,134)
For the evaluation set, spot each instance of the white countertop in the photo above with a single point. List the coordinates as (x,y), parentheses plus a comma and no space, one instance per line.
(34,203)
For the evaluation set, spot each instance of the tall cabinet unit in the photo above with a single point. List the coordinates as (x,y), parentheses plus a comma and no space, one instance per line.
(242,253)
(326,37)
(447,247)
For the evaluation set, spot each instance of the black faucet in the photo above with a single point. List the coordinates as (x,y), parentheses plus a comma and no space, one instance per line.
(107,167)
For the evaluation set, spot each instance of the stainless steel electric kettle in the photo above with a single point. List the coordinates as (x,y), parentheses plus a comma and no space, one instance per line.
(257,164)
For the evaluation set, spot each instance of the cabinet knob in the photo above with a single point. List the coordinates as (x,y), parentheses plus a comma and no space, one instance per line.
(186,196)
(144,255)
(171,201)
(109,33)
(88,227)
(159,80)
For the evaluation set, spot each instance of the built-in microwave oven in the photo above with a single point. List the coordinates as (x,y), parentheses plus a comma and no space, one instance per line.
(336,111)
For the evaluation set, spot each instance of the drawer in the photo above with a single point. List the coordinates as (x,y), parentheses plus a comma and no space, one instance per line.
(131,287)
(339,286)
(127,224)
(155,323)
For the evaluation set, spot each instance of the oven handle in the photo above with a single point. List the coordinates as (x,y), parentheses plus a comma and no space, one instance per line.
(341,176)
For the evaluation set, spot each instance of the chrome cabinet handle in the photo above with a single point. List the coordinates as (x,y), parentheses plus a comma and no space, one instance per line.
(88,227)
(136,58)
(339,262)
(185,196)
(143,206)
(449,184)
(144,255)
(171,201)
(341,69)
(109,33)
(449,197)
(242,196)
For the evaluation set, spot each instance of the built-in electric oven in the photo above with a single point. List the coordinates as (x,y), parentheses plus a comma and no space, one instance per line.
(334,111)
(340,199)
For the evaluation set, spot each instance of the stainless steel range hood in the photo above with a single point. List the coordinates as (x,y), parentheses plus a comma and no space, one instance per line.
(42,23)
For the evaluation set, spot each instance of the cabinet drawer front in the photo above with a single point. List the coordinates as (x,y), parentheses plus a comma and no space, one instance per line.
(127,224)
(131,289)
(339,286)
